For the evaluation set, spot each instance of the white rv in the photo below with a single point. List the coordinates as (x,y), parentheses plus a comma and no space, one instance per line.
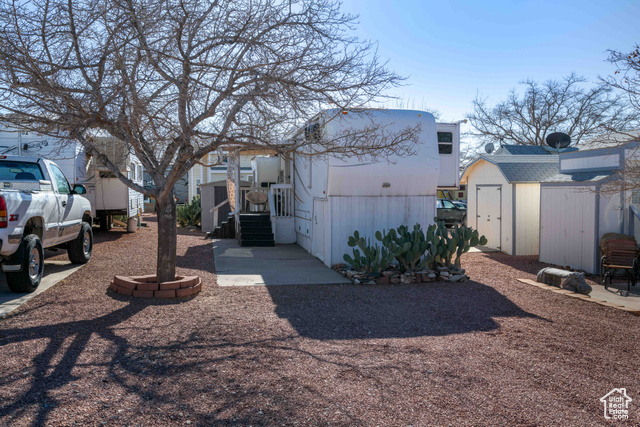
(107,194)
(318,202)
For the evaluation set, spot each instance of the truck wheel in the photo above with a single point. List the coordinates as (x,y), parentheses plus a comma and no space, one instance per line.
(105,222)
(79,250)
(29,278)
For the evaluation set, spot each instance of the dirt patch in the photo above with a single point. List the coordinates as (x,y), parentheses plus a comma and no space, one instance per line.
(487,352)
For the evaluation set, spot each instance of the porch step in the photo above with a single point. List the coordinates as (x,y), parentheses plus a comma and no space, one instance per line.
(227,230)
(255,218)
(255,230)
(244,242)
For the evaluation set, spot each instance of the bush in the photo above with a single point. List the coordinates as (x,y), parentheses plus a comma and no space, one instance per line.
(189,214)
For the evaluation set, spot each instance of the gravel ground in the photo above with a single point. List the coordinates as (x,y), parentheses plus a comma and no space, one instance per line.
(488,352)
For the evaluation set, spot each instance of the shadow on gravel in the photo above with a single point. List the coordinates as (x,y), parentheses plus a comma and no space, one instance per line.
(192,258)
(53,366)
(357,312)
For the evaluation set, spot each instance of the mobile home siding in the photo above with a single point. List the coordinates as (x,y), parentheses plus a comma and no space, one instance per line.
(568,226)
(607,161)
(527,218)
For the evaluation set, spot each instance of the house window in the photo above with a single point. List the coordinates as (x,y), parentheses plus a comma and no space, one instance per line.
(635,197)
(445,142)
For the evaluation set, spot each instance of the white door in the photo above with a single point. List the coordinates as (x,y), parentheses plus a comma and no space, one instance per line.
(489,218)
(319,229)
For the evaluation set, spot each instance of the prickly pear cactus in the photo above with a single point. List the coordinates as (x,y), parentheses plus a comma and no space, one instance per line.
(407,247)
(454,242)
(373,259)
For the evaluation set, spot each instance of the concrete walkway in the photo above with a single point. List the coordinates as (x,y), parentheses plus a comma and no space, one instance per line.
(280,265)
(617,293)
(54,271)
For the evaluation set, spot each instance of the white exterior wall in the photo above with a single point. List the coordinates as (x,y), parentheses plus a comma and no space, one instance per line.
(568,226)
(527,218)
(485,173)
(370,214)
(611,215)
(606,161)
(450,163)
(205,174)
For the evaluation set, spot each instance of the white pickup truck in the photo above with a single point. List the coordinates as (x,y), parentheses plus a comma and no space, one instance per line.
(39,209)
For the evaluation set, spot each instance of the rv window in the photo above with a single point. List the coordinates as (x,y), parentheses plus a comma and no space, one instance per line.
(445,142)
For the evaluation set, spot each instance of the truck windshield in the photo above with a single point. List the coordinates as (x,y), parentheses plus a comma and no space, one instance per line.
(20,171)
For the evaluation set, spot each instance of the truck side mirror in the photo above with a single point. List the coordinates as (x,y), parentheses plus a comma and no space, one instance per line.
(79,189)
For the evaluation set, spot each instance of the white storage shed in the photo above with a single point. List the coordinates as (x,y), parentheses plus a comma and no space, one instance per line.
(334,197)
(503,196)
(574,214)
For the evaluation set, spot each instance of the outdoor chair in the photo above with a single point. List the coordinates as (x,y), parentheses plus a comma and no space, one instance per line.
(619,255)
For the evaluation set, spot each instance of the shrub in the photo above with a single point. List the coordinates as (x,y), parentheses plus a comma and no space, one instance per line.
(189,214)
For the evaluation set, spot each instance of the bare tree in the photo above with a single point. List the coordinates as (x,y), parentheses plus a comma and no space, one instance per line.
(626,79)
(553,106)
(176,80)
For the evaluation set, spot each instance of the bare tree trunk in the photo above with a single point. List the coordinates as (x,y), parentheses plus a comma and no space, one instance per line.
(167,238)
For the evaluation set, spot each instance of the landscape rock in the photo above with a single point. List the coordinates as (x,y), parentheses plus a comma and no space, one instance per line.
(351,273)
(455,278)
(394,280)
(564,279)
(388,273)
(577,283)
(356,282)
(431,275)
(382,280)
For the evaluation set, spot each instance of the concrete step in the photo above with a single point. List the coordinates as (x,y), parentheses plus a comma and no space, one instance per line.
(247,242)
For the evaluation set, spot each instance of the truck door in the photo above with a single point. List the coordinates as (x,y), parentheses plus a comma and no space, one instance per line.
(70,214)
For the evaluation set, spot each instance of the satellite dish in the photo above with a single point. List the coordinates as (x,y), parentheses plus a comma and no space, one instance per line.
(257,197)
(558,140)
(489,148)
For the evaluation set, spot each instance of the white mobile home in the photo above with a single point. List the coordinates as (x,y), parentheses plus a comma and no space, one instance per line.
(334,197)
(107,194)
(503,196)
(318,201)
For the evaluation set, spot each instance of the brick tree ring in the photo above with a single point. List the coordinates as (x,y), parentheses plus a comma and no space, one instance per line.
(148,286)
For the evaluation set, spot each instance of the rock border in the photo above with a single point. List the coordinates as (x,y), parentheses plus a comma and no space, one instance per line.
(588,298)
(394,277)
(148,286)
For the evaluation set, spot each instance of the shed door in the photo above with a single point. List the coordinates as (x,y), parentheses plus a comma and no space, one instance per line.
(489,218)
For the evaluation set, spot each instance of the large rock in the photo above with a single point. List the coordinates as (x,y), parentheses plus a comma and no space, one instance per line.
(569,280)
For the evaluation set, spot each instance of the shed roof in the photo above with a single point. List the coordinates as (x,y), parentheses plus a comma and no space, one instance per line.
(521,168)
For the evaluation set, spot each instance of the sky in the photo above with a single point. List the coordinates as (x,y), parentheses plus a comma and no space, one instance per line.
(452,50)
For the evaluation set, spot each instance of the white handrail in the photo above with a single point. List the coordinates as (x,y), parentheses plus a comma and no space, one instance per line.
(215,212)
